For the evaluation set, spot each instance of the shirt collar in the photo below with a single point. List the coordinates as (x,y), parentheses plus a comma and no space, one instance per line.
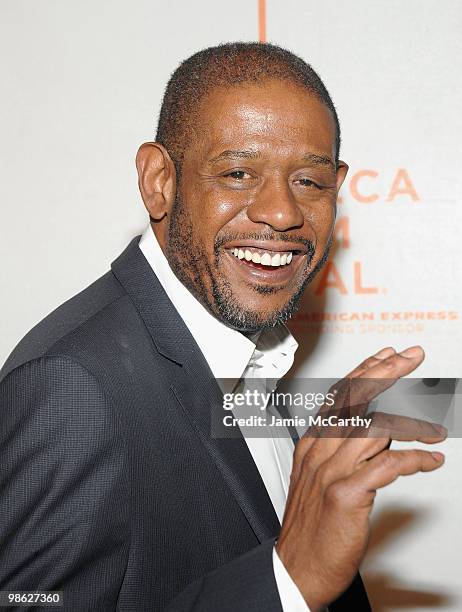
(227,351)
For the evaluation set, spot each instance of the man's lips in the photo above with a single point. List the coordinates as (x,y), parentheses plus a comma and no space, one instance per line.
(265,254)
(265,265)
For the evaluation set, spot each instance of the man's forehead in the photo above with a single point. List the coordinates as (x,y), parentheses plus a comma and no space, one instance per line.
(276,93)
(291,114)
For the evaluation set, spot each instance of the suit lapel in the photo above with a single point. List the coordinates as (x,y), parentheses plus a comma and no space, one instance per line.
(195,389)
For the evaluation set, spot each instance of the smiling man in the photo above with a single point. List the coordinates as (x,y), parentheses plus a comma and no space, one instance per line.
(113,490)
(253,217)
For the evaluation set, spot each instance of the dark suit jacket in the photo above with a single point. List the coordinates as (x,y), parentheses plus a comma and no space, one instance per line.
(111,486)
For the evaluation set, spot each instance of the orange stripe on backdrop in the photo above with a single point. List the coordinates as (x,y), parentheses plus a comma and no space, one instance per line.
(262,20)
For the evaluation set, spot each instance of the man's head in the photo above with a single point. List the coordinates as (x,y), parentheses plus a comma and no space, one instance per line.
(241,185)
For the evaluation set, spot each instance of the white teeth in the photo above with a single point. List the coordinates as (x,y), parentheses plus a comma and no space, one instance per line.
(276,260)
(265,259)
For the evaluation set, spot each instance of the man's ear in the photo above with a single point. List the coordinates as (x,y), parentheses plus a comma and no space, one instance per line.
(342,169)
(156,179)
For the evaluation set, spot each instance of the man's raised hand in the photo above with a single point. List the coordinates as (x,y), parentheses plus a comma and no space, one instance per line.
(334,480)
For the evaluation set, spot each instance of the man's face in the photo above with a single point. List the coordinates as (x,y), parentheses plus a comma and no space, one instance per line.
(255,207)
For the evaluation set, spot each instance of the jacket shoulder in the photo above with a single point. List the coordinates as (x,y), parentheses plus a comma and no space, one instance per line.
(64,320)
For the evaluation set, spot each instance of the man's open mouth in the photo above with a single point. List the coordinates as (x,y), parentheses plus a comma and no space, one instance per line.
(268,263)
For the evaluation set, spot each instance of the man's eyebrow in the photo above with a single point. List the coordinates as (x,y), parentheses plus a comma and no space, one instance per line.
(319,160)
(229,154)
(314,158)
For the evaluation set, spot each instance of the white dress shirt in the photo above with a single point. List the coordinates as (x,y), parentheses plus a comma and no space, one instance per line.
(269,355)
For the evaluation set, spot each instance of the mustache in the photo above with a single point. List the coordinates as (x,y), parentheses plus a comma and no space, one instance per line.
(266,235)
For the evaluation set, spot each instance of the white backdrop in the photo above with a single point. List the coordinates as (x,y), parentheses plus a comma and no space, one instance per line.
(82,82)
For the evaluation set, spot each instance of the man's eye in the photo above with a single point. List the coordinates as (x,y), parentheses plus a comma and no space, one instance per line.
(239,175)
(304,182)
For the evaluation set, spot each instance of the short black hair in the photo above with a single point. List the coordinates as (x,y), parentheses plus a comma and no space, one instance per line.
(227,65)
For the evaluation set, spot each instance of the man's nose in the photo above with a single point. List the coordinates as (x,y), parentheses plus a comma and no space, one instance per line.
(276,206)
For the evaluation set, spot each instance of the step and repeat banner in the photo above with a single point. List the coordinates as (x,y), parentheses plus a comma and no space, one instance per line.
(82,88)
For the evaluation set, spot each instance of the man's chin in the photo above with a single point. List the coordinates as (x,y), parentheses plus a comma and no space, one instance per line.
(235,313)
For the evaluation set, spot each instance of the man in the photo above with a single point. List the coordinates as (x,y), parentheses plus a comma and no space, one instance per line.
(113,489)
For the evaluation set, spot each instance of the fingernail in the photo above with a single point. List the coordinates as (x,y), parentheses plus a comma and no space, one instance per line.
(441,429)
(412,351)
(438,457)
(386,352)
